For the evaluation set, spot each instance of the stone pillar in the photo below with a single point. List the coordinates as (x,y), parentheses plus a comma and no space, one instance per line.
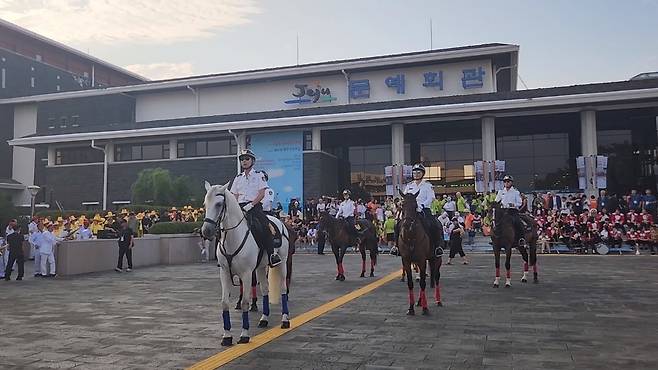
(316,137)
(397,144)
(589,149)
(173,148)
(488,139)
(51,155)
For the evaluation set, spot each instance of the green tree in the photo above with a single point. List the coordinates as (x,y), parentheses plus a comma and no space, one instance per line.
(158,187)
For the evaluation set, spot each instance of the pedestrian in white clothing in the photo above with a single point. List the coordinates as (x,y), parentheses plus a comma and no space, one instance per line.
(31,229)
(35,240)
(47,251)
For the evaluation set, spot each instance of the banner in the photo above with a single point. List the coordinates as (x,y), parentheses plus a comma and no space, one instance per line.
(397,177)
(489,173)
(280,154)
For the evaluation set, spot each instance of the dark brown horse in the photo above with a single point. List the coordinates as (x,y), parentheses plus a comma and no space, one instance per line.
(340,238)
(503,236)
(415,247)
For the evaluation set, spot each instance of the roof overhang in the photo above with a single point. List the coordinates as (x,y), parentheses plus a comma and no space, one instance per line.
(12,186)
(277,73)
(575,101)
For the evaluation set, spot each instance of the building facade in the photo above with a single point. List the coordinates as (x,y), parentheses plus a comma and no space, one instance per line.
(31,64)
(343,122)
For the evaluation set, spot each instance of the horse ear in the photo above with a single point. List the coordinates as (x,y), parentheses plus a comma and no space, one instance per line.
(401,193)
(207,185)
(416,194)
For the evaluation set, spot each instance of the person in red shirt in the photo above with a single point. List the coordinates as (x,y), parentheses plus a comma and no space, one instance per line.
(647,218)
(618,217)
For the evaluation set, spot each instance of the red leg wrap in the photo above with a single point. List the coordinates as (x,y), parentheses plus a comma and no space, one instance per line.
(497,271)
(412,300)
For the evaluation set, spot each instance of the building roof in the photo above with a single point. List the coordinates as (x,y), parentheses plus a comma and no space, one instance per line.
(383,61)
(68,49)
(571,98)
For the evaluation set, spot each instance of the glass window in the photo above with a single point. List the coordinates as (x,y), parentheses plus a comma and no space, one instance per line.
(218,147)
(77,155)
(308,140)
(136,152)
(202,148)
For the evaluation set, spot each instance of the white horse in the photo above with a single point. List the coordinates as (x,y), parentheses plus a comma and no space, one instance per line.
(238,254)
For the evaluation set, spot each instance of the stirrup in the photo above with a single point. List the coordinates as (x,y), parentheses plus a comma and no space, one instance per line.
(438,252)
(275,260)
(522,242)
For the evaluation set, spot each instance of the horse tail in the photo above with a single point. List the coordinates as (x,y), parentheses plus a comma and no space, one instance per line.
(274,280)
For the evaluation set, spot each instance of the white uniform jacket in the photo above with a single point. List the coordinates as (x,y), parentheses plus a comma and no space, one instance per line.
(425,193)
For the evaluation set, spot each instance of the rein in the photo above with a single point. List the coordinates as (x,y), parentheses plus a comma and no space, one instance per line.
(222,249)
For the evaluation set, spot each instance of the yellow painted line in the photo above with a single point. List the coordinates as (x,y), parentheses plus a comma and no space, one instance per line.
(230,354)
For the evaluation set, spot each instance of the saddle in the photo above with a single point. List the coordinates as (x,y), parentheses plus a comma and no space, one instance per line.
(270,230)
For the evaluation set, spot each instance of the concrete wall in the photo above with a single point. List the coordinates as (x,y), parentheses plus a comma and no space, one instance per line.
(84,256)
(121,176)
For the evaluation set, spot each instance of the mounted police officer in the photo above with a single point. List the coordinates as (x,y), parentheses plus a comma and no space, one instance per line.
(510,201)
(346,211)
(424,200)
(249,187)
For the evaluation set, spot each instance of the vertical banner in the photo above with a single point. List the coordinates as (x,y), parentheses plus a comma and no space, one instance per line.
(280,154)
(397,176)
(479,177)
(499,173)
(582,177)
(601,171)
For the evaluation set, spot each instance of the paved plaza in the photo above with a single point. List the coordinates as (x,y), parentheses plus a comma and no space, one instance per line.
(588,312)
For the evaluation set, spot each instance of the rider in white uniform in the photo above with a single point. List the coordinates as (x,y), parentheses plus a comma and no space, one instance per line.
(249,187)
(424,200)
(346,210)
(510,200)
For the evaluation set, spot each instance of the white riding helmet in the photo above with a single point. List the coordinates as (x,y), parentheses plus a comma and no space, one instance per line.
(418,167)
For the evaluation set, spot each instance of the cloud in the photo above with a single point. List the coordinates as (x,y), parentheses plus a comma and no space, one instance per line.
(127,21)
(160,71)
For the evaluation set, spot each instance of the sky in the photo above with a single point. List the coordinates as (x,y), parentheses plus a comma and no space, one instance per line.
(562,42)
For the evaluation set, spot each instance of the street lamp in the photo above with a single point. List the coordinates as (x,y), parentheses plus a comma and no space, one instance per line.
(33,189)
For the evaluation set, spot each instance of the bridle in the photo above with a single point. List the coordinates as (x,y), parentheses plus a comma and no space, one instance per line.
(222,249)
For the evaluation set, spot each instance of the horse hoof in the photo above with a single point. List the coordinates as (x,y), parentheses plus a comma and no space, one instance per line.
(285,325)
(439,304)
(536,281)
(227,341)
(253,308)
(262,324)
(402,279)
(508,285)
(411,312)
(338,277)
(524,280)
(372,274)
(238,306)
(342,278)
(363,274)
(495,285)
(243,340)
(426,311)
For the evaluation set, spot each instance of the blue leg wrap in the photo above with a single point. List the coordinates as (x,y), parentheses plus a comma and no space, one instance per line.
(284,303)
(266,305)
(245,320)
(227,320)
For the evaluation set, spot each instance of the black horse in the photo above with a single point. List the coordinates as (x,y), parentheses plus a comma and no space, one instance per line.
(340,238)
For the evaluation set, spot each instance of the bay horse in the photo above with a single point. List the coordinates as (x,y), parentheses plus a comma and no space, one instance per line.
(503,236)
(414,246)
(340,239)
(239,255)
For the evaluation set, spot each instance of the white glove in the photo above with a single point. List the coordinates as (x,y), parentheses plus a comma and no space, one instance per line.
(248,206)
